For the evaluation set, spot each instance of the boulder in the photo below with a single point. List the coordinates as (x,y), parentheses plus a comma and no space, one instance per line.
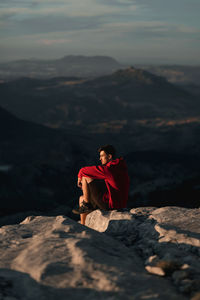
(49,257)
(167,239)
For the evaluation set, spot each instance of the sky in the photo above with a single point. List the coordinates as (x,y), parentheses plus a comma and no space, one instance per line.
(133,31)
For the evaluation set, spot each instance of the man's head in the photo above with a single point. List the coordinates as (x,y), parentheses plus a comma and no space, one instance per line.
(107,153)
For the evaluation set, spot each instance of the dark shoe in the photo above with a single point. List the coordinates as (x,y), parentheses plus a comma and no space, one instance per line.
(84,208)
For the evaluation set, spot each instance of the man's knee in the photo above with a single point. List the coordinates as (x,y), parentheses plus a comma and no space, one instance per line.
(87,179)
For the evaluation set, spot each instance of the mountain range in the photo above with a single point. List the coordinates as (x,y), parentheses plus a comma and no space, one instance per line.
(39,165)
(110,103)
(60,122)
(71,65)
(93,66)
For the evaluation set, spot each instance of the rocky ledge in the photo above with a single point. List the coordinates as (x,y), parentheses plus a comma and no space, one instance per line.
(166,239)
(143,253)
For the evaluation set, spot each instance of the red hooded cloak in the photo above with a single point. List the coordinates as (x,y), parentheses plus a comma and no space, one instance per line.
(115,174)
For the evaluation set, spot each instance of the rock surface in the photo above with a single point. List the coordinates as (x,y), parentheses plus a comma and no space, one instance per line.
(166,239)
(47,257)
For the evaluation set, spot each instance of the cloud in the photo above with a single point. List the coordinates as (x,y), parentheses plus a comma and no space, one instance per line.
(187,29)
(68,8)
(56,23)
(121,3)
(151,30)
(116,26)
(12,11)
(48,42)
(50,16)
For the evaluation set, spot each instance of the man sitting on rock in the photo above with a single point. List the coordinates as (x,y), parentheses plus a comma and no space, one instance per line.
(105,186)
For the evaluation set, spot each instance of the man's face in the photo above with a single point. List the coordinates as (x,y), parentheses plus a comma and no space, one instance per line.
(104,157)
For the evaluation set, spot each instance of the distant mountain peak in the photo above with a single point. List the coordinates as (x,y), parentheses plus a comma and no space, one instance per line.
(67,66)
(89,59)
(138,75)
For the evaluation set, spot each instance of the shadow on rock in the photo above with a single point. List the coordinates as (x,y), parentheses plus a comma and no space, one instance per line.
(18,285)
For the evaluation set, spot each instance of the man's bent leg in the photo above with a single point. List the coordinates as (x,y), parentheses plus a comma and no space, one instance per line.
(82,216)
(86,196)
(93,191)
(85,188)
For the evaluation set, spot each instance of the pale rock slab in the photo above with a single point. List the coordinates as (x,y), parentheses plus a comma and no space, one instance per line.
(51,258)
(167,239)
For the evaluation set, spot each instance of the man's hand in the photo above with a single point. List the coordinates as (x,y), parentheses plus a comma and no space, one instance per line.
(79,183)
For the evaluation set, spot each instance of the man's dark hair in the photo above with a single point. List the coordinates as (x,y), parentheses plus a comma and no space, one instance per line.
(108,149)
